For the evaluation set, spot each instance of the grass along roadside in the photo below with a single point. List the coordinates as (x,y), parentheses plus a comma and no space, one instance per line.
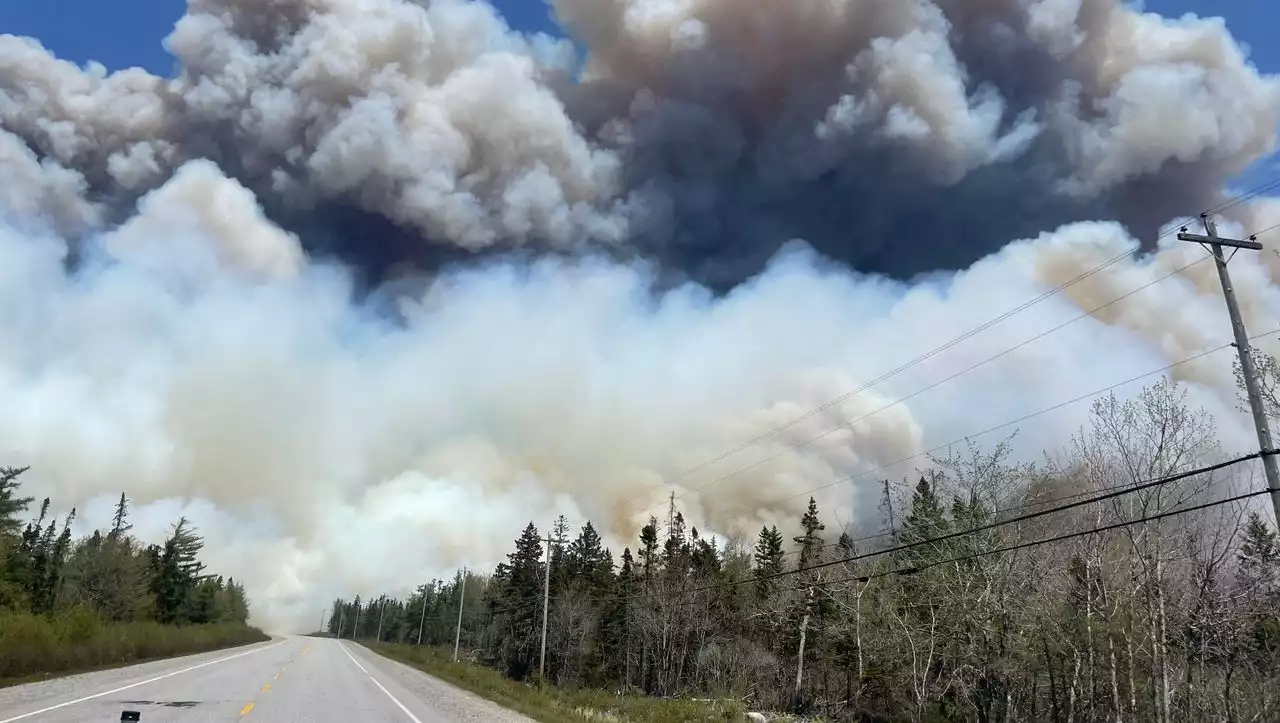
(38,647)
(556,705)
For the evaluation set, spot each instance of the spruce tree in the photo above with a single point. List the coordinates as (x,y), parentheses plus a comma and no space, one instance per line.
(11,505)
(768,559)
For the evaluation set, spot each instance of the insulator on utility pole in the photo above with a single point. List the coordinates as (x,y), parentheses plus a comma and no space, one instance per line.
(1248,369)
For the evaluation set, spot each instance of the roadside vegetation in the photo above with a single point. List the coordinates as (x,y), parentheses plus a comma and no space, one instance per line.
(1159,602)
(552,704)
(105,599)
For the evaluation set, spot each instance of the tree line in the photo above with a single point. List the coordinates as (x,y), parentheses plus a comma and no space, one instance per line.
(110,573)
(1154,618)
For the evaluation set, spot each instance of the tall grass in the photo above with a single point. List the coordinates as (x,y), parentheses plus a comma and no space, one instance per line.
(32,645)
(550,704)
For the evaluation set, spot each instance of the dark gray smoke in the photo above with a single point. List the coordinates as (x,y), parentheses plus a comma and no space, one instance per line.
(898,137)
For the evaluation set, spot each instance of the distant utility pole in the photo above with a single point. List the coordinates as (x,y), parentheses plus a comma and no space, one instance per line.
(1249,371)
(342,620)
(321,628)
(546,603)
(457,633)
(422,619)
(356,630)
(381,615)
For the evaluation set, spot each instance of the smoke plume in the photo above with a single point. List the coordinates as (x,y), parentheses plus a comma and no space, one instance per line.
(368,284)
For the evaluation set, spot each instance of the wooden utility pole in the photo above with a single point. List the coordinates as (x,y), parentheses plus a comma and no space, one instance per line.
(356,630)
(457,633)
(1214,243)
(546,603)
(382,614)
(423,619)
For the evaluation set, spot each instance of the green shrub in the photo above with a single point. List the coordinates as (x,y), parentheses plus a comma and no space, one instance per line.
(76,640)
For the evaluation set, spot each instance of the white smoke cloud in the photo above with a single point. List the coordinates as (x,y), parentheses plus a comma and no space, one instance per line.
(200,359)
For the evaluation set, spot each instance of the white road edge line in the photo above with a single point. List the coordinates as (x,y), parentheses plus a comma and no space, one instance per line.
(386,692)
(143,682)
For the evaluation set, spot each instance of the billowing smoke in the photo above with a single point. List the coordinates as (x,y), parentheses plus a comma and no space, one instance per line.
(722,216)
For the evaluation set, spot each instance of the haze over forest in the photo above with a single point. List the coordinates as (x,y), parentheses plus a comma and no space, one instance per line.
(368,285)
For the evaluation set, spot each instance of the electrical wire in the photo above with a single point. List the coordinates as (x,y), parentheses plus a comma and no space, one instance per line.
(792,448)
(1137,487)
(1172,228)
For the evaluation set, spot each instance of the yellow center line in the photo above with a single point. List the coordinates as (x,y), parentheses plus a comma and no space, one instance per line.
(266,688)
(247,707)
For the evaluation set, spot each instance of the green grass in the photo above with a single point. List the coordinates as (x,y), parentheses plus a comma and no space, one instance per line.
(557,705)
(33,647)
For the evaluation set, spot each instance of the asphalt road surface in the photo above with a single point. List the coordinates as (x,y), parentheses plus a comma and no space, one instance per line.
(286,680)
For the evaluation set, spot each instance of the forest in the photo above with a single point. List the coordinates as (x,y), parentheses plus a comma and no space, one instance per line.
(1129,576)
(106,598)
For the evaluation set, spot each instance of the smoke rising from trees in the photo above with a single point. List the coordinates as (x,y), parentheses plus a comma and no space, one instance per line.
(723,213)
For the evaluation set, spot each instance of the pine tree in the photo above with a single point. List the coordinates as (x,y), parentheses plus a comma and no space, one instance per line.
(517,610)
(927,519)
(846,546)
(768,559)
(589,561)
(810,542)
(1257,577)
(1259,557)
(649,550)
(177,573)
(11,505)
(120,520)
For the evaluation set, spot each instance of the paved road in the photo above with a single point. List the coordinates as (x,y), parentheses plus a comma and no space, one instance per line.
(287,680)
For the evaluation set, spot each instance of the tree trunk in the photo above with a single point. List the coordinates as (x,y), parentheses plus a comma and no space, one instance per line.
(804,629)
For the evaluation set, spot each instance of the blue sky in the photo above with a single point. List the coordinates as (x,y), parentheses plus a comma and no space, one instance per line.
(129,32)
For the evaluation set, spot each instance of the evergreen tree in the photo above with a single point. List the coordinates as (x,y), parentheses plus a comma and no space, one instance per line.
(120,520)
(649,550)
(810,542)
(768,560)
(176,573)
(517,609)
(1259,557)
(11,505)
(927,519)
(589,561)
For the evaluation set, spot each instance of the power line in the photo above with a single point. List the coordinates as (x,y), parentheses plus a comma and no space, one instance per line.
(923,357)
(1068,536)
(916,569)
(1248,195)
(845,425)
(900,400)
(910,570)
(1012,521)
(1026,417)
(1136,487)
(1226,204)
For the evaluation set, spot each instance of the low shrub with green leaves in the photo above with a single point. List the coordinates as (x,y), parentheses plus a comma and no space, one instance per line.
(75,640)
